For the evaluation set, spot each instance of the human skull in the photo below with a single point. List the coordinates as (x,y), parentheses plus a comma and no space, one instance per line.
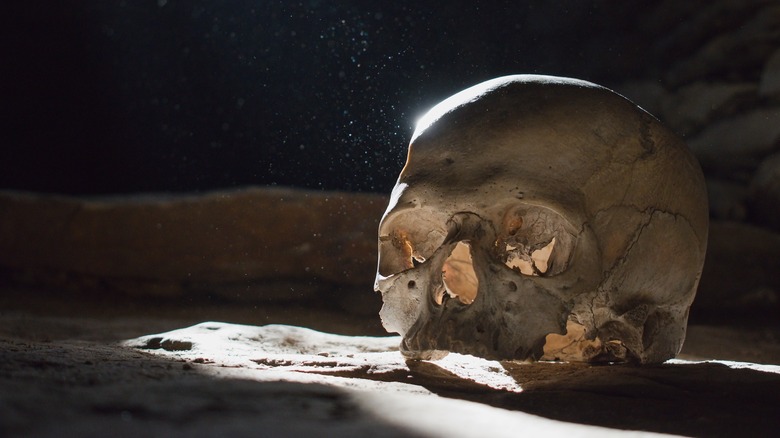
(545,218)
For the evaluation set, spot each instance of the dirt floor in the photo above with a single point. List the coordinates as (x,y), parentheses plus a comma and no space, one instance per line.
(64,372)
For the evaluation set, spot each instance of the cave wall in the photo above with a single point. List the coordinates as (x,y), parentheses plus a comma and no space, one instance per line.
(709,70)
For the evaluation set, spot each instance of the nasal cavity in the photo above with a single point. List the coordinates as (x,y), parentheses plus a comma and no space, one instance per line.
(460,279)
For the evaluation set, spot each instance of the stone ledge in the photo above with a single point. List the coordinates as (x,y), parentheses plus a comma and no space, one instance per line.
(280,245)
(232,243)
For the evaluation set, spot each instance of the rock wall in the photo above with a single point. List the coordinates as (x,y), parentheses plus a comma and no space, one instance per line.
(271,245)
(708,69)
(256,244)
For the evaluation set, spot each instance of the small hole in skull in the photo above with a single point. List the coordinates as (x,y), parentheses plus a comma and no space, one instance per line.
(460,279)
(411,285)
(511,286)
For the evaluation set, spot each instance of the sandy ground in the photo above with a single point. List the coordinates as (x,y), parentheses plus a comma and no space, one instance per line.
(64,371)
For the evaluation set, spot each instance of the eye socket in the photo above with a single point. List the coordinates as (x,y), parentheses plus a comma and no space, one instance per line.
(534,241)
(407,241)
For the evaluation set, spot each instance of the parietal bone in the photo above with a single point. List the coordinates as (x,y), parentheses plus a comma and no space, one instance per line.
(542,218)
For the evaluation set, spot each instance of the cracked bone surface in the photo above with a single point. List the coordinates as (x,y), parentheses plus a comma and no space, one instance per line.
(540,217)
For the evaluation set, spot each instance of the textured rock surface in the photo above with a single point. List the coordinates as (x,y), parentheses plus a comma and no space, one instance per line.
(229,244)
(750,134)
(727,199)
(104,250)
(740,275)
(751,40)
(223,379)
(770,76)
(765,193)
(696,104)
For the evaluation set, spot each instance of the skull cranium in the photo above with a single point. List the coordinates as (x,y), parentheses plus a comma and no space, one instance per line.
(540,217)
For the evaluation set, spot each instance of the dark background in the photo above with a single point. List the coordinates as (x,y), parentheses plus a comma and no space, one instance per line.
(104,97)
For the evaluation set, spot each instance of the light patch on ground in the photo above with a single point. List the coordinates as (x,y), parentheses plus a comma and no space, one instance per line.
(289,349)
(368,368)
(731,364)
